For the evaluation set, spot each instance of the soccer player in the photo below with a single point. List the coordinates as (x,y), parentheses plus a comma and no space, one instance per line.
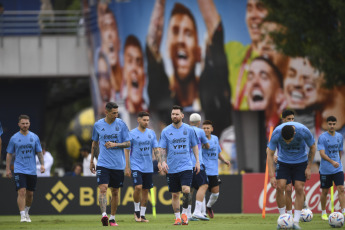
(210,158)
(24,144)
(175,143)
(0,142)
(139,163)
(294,162)
(200,181)
(110,136)
(330,145)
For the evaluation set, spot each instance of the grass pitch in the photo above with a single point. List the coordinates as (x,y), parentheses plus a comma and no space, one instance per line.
(162,221)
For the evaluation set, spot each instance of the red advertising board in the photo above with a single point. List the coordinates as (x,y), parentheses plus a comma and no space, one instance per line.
(253,194)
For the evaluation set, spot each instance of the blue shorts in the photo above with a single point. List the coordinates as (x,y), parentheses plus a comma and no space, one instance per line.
(25,181)
(213,181)
(291,172)
(327,180)
(144,179)
(200,178)
(113,178)
(177,180)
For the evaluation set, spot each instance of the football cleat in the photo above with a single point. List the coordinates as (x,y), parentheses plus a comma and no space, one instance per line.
(113,223)
(210,212)
(143,219)
(324,217)
(177,221)
(184,219)
(104,220)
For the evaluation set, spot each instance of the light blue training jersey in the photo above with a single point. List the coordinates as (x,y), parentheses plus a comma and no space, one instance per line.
(112,158)
(210,156)
(141,148)
(295,152)
(25,147)
(332,145)
(178,143)
(200,133)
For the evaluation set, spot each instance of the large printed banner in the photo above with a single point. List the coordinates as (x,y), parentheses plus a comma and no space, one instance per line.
(253,195)
(79,195)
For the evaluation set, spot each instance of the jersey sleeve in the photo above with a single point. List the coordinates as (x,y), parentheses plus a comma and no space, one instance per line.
(308,137)
(131,140)
(125,132)
(219,149)
(193,138)
(154,140)
(203,138)
(95,134)
(11,148)
(320,144)
(341,146)
(163,141)
(272,145)
(38,146)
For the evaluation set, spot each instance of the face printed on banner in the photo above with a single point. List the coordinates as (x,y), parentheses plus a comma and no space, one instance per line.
(134,75)
(262,85)
(301,84)
(103,77)
(182,45)
(255,13)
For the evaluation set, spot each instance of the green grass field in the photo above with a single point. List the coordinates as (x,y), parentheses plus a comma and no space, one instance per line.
(162,221)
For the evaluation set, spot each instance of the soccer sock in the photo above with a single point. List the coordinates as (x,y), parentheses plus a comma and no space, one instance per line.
(112,217)
(177,215)
(198,205)
(289,212)
(27,210)
(189,212)
(213,199)
(136,207)
(282,210)
(297,216)
(22,213)
(104,214)
(324,212)
(185,211)
(142,211)
(203,207)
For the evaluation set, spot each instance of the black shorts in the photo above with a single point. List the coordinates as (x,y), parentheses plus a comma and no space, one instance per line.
(25,181)
(291,172)
(200,178)
(113,178)
(144,179)
(213,181)
(177,180)
(326,181)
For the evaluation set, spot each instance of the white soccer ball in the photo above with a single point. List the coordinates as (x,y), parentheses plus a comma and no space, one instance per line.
(285,221)
(336,220)
(306,215)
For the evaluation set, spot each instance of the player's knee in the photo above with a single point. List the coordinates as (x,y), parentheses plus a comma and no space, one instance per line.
(185,189)
(103,188)
(138,187)
(340,189)
(175,195)
(22,191)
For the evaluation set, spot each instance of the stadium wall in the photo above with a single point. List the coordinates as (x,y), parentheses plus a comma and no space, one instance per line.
(78,195)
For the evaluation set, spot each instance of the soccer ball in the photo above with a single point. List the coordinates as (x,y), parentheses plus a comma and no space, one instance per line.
(285,221)
(306,215)
(336,220)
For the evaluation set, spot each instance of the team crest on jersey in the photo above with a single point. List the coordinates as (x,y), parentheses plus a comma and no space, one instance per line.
(149,136)
(117,128)
(185,132)
(31,140)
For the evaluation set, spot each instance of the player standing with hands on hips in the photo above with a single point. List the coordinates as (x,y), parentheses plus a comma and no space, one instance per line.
(110,136)
(294,162)
(24,144)
(330,145)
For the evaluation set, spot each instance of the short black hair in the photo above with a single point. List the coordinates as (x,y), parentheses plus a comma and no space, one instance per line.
(143,114)
(178,107)
(23,116)
(288,132)
(111,105)
(132,40)
(331,118)
(181,9)
(287,112)
(207,122)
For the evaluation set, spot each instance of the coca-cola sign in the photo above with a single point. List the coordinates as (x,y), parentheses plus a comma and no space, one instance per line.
(253,195)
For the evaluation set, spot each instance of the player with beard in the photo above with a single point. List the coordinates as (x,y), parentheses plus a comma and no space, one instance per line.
(134,75)
(175,143)
(184,52)
(25,145)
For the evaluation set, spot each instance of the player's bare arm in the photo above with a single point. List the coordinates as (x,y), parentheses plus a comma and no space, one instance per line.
(127,169)
(94,152)
(326,158)
(110,144)
(41,160)
(311,155)
(196,154)
(271,170)
(210,15)
(221,158)
(206,146)
(155,33)
(163,159)
(158,158)
(8,164)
